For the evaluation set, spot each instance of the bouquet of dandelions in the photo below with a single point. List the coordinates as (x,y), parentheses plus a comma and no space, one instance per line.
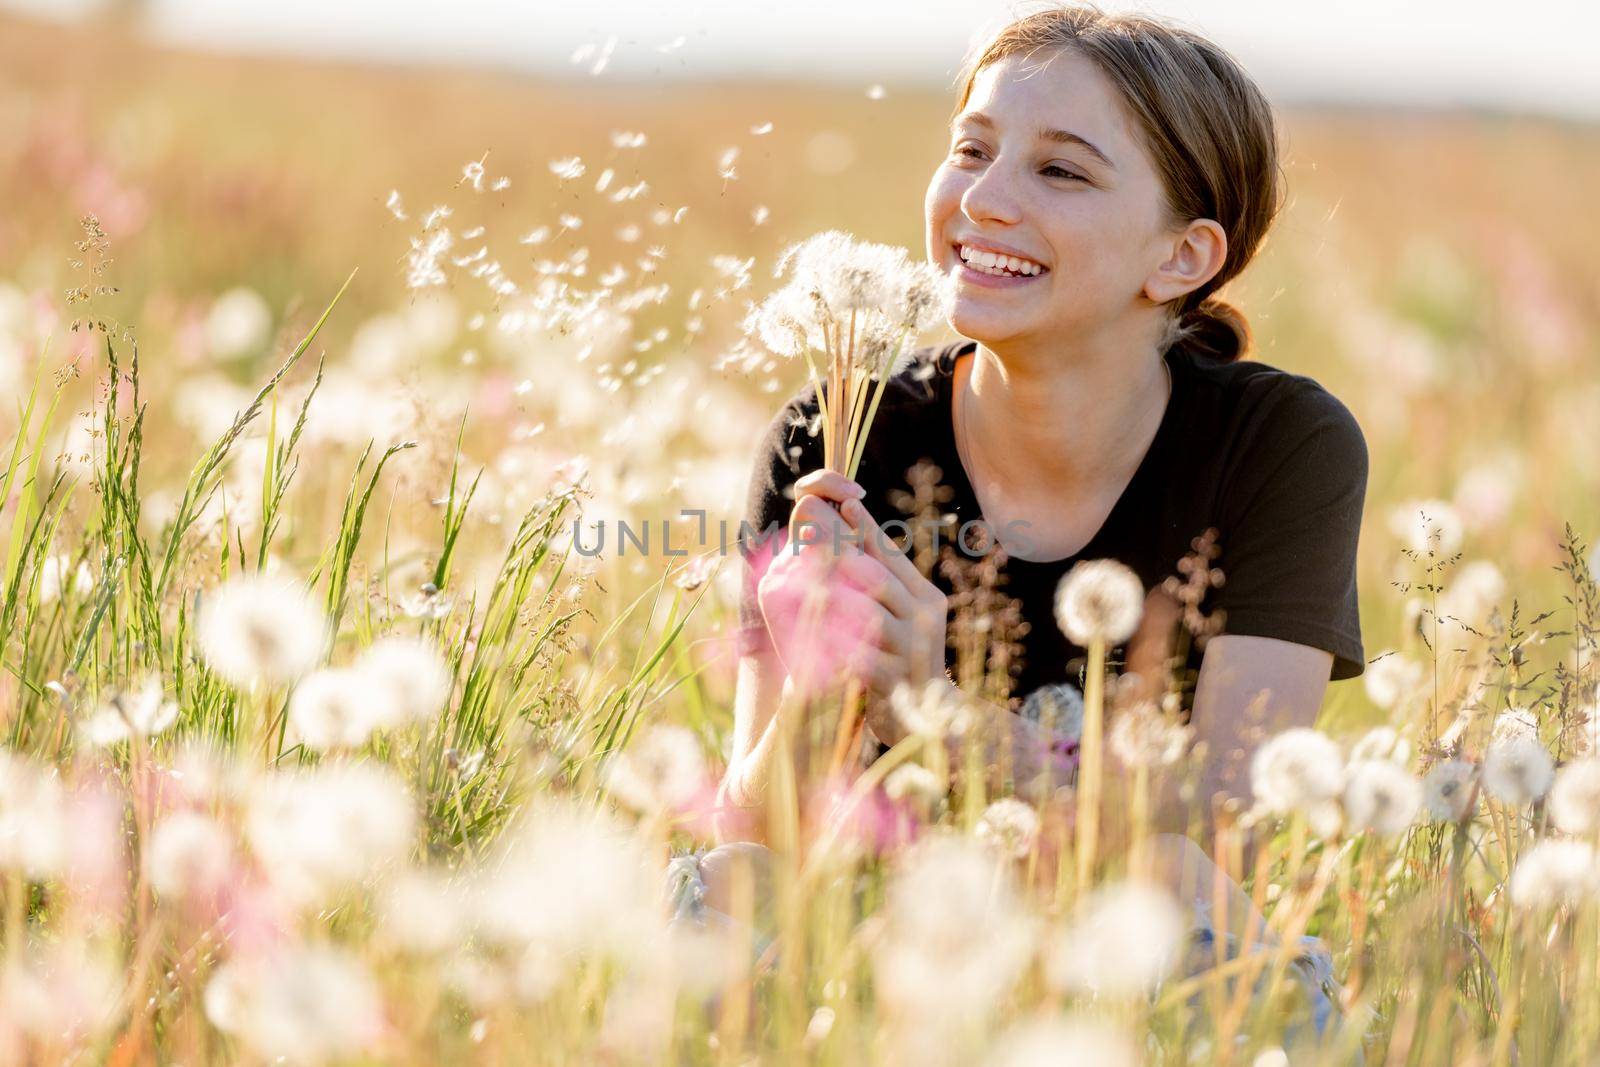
(853,305)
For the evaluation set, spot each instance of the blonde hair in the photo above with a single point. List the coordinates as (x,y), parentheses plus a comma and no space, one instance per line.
(1208,128)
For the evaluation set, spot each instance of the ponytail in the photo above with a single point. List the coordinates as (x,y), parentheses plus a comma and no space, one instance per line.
(1214,329)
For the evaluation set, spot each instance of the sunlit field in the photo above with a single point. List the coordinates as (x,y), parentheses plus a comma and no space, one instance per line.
(324,742)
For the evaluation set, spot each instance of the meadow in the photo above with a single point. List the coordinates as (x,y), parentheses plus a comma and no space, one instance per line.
(324,744)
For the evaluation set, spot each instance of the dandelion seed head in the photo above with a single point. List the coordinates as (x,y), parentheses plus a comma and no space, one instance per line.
(1447,789)
(142,711)
(1126,938)
(934,709)
(333,708)
(408,679)
(913,781)
(1555,872)
(1099,599)
(1146,736)
(305,1004)
(261,629)
(1517,770)
(663,770)
(1011,825)
(1391,679)
(1381,742)
(188,856)
(239,324)
(1296,771)
(1426,526)
(57,573)
(1381,796)
(1053,1041)
(1575,797)
(958,933)
(318,832)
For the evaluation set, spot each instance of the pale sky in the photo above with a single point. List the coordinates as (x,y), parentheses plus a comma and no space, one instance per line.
(1428,52)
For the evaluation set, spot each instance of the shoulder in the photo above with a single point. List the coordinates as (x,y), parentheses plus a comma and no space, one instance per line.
(1270,412)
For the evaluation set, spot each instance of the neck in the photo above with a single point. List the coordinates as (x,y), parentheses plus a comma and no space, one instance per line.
(1065,416)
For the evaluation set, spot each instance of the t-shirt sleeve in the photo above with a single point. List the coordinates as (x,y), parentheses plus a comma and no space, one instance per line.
(785,451)
(1291,523)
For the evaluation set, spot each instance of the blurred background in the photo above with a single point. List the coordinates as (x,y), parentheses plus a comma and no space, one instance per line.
(558,214)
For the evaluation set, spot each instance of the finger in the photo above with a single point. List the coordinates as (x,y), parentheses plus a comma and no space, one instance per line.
(828,484)
(880,546)
(813,521)
(874,579)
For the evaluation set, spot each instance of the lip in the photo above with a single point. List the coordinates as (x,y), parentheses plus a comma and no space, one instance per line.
(970,276)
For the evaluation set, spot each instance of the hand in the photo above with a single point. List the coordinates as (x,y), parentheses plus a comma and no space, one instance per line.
(881,621)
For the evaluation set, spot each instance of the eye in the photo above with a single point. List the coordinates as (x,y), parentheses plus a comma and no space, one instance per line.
(969,151)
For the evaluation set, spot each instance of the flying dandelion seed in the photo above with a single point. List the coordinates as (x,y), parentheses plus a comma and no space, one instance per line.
(535,236)
(725,164)
(760,214)
(568,168)
(436,216)
(393,204)
(761,130)
(672,45)
(876,92)
(570,222)
(500,184)
(473,174)
(627,139)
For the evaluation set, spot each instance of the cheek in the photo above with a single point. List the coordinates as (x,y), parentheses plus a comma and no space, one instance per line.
(943,198)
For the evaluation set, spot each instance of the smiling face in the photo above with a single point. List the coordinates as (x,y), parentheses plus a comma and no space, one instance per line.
(1084,203)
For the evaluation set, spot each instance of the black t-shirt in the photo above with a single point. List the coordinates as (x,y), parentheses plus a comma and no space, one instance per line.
(1269,459)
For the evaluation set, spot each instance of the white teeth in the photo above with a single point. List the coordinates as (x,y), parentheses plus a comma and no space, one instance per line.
(1004,266)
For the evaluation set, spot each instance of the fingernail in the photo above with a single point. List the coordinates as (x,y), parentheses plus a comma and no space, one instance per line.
(855,487)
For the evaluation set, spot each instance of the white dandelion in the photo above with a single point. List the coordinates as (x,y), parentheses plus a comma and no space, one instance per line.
(958,934)
(1049,1042)
(1517,770)
(1427,526)
(1575,797)
(305,1004)
(1145,736)
(333,708)
(1514,722)
(1381,742)
(1555,872)
(56,573)
(1447,789)
(188,856)
(664,769)
(261,629)
(936,709)
(1011,825)
(913,781)
(142,711)
(409,678)
(1296,771)
(33,817)
(238,325)
(1126,938)
(1099,599)
(1391,679)
(1381,796)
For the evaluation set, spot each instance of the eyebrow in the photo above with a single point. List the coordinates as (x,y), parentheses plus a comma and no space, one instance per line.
(978,118)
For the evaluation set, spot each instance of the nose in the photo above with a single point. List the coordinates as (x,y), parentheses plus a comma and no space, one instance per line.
(991,196)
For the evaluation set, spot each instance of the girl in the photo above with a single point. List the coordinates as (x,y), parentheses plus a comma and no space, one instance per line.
(1106,175)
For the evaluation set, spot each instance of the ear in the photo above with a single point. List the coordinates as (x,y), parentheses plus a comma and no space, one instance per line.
(1195,255)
